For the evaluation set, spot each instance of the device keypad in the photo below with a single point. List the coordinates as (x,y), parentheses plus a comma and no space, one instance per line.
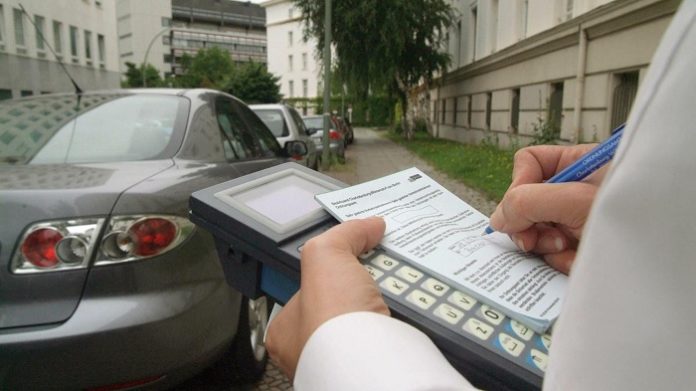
(458,311)
(409,274)
(385,262)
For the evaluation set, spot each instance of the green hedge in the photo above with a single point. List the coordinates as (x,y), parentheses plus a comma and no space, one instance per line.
(376,111)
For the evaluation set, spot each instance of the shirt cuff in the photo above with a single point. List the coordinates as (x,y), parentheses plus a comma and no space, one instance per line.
(370,351)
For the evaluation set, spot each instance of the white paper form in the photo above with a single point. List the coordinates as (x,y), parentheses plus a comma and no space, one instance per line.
(434,229)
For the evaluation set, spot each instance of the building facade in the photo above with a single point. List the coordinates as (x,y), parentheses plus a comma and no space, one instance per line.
(82,34)
(289,56)
(144,25)
(522,66)
(235,26)
(161,32)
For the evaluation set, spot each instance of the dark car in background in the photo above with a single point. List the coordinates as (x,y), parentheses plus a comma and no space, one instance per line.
(104,282)
(337,143)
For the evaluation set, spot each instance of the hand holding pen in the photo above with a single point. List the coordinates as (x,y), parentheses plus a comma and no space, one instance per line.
(552,190)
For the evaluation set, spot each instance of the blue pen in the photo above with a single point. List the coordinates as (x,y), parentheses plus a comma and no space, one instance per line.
(587,164)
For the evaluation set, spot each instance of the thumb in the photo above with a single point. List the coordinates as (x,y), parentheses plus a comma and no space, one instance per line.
(562,203)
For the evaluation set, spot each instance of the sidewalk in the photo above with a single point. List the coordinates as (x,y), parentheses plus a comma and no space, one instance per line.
(372,156)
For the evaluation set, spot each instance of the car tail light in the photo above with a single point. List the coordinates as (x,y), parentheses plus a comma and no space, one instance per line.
(334,135)
(131,238)
(39,247)
(57,245)
(71,244)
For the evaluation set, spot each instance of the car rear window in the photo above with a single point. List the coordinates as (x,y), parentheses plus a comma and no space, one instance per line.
(314,122)
(87,129)
(274,120)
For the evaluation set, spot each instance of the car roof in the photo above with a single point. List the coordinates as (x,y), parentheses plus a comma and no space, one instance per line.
(149,91)
(269,106)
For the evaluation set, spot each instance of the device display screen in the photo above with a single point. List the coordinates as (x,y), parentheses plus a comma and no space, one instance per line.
(283,200)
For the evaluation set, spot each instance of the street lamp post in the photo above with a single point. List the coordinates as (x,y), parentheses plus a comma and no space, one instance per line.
(327,84)
(149,46)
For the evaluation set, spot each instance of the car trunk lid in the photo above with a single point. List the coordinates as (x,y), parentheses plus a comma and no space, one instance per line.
(34,193)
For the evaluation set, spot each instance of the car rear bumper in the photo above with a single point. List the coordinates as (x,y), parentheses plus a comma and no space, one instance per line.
(110,340)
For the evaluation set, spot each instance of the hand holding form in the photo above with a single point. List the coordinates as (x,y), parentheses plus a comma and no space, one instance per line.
(547,218)
(333,283)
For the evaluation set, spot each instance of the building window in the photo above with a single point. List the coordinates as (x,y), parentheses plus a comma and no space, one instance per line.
(489,107)
(58,37)
(444,111)
(2,25)
(493,25)
(166,22)
(457,50)
(515,111)
(73,41)
(24,93)
(555,114)
(304,61)
(564,10)
(5,94)
(524,16)
(101,46)
(291,88)
(304,88)
(167,58)
(469,107)
(290,38)
(473,26)
(40,23)
(454,111)
(88,45)
(625,89)
(18,27)
(290,63)
(166,40)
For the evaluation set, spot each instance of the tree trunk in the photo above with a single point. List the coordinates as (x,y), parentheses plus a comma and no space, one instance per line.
(403,97)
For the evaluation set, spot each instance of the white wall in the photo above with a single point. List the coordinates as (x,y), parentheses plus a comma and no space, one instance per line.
(278,25)
(29,68)
(138,23)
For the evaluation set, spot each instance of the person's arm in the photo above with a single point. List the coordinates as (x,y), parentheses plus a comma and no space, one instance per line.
(340,325)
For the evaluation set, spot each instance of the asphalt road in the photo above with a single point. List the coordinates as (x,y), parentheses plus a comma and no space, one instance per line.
(369,157)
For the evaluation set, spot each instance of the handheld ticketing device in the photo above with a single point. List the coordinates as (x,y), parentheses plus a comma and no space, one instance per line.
(261,221)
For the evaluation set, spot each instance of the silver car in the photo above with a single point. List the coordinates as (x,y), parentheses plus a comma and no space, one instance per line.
(104,282)
(287,125)
(337,143)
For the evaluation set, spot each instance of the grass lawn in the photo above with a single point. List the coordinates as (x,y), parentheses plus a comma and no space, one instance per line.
(485,168)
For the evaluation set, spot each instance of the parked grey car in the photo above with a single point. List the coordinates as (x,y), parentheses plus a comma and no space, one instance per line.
(104,281)
(337,144)
(287,125)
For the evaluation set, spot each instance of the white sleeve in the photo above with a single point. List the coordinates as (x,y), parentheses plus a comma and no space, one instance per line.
(628,319)
(368,351)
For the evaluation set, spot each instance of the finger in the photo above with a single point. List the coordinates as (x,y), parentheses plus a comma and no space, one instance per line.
(562,261)
(550,240)
(526,240)
(526,205)
(538,163)
(352,237)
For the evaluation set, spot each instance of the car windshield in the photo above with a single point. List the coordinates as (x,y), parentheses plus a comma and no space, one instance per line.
(274,120)
(314,122)
(86,129)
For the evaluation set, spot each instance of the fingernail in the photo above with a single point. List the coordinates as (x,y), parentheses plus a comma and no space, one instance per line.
(550,243)
(519,242)
(495,220)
